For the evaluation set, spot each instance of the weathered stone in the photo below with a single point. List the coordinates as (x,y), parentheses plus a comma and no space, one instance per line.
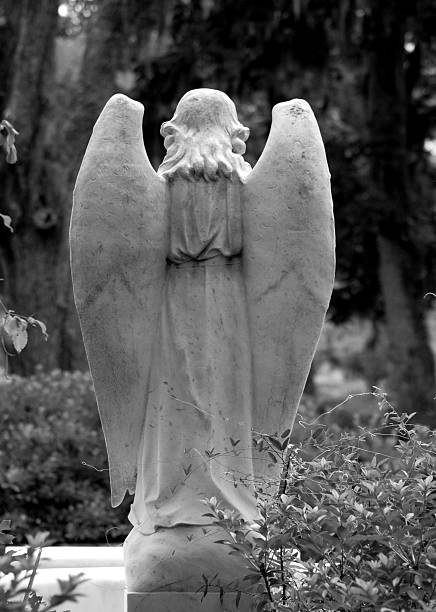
(187,602)
(179,559)
(201,291)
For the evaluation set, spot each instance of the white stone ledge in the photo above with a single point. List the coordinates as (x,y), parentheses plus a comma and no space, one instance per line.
(82,556)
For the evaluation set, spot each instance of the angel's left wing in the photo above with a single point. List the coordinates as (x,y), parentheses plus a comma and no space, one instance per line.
(288,259)
(119,243)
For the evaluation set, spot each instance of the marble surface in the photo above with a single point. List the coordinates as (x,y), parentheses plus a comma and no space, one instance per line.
(186,602)
(201,291)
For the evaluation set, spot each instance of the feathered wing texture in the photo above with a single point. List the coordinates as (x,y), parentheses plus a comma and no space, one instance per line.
(289,260)
(119,242)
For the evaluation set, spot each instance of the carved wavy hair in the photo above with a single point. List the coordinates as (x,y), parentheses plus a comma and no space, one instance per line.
(204,139)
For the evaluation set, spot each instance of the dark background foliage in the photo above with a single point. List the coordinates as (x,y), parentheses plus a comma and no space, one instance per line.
(367,69)
(53,461)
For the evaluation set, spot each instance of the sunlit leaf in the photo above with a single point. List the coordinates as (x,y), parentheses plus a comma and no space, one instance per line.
(7,140)
(15,328)
(7,222)
(40,324)
(38,540)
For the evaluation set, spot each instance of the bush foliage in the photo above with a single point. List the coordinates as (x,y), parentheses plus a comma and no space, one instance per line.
(53,460)
(349,527)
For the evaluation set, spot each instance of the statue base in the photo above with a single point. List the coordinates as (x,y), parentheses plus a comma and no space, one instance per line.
(179,560)
(172,601)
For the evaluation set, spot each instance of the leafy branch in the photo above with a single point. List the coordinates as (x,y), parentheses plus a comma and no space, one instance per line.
(18,571)
(348,527)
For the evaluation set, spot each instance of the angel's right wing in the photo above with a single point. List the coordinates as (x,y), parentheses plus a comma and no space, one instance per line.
(289,260)
(119,243)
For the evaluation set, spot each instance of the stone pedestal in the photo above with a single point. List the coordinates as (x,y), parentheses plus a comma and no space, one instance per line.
(178,559)
(166,571)
(173,601)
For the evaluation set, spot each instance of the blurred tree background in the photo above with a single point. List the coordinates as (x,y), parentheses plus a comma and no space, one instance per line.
(366,67)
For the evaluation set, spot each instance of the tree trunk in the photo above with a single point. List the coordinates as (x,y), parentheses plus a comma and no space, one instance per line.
(55,121)
(411,382)
(28,259)
(411,378)
(83,103)
(112,45)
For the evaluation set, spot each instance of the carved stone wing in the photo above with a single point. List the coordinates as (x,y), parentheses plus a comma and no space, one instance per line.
(288,258)
(118,237)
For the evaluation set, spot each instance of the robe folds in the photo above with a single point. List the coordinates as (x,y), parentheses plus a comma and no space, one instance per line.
(196,441)
(200,301)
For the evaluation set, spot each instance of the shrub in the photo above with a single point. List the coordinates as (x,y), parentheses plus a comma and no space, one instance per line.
(17,573)
(347,528)
(53,460)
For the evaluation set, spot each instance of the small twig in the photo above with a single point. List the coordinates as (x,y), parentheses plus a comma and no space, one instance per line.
(285,471)
(263,573)
(94,468)
(347,399)
(282,573)
(32,578)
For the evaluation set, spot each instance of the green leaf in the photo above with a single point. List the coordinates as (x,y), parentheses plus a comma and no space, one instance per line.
(7,140)
(276,443)
(7,222)
(272,457)
(5,538)
(15,328)
(5,524)
(36,323)
(252,578)
(39,539)
(11,154)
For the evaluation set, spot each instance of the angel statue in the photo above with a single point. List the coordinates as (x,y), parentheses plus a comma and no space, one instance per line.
(201,290)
